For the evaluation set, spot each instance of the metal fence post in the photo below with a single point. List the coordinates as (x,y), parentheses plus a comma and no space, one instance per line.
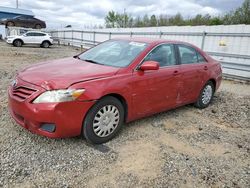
(160,34)
(110,35)
(203,40)
(63,37)
(94,37)
(72,36)
(81,40)
(131,34)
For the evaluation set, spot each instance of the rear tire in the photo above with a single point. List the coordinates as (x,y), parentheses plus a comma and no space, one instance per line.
(45,44)
(17,43)
(103,121)
(38,26)
(205,96)
(10,24)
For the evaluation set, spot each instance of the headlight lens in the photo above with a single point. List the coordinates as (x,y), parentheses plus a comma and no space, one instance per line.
(59,95)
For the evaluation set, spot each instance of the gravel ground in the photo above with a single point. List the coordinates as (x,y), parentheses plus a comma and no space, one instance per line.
(185,147)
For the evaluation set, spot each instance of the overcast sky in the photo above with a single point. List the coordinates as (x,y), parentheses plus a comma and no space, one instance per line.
(58,13)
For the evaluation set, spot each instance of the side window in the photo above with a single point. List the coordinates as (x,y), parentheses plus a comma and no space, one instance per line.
(201,59)
(163,54)
(188,55)
(30,34)
(40,34)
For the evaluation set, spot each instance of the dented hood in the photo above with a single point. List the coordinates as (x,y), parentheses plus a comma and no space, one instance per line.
(61,73)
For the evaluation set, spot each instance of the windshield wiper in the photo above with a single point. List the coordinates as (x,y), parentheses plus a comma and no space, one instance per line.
(92,61)
(76,57)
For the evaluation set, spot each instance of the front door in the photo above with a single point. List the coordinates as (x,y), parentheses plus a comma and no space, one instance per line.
(157,90)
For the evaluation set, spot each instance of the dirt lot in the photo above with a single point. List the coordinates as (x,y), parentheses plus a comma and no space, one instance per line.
(185,147)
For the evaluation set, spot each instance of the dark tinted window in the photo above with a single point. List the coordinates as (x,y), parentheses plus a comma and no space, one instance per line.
(30,34)
(163,54)
(40,34)
(35,34)
(24,17)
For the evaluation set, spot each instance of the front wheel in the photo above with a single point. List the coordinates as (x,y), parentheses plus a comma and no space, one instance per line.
(206,95)
(17,43)
(45,44)
(104,120)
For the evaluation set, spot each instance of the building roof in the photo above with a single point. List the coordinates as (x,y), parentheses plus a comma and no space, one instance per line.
(16,11)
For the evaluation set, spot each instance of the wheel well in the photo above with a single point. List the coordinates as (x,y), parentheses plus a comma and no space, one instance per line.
(122,100)
(18,39)
(46,41)
(9,22)
(214,82)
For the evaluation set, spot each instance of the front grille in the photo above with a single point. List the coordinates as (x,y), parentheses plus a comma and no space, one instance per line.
(22,92)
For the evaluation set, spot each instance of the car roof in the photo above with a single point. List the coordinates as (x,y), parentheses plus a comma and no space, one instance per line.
(36,32)
(151,40)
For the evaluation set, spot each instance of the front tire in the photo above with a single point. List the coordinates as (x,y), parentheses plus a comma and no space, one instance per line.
(104,120)
(17,43)
(45,44)
(205,96)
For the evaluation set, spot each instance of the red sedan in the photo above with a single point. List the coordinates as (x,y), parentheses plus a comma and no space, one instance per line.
(94,93)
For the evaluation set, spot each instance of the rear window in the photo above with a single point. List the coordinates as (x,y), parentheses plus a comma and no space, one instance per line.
(189,55)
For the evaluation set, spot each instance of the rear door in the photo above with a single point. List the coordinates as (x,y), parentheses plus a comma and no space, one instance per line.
(29,38)
(39,38)
(194,72)
(157,90)
(24,21)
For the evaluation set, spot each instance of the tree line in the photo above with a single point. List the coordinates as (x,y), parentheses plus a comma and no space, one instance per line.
(240,15)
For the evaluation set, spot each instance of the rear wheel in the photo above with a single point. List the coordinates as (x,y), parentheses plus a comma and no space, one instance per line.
(206,95)
(10,24)
(104,120)
(45,44)
(17,43)
(38,26)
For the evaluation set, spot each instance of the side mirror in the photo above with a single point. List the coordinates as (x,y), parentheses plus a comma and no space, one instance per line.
(149,65)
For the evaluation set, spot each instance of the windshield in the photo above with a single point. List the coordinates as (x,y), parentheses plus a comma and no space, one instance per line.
(117,53)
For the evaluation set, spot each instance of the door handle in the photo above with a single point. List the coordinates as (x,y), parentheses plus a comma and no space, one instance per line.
(205,68)
(176,72)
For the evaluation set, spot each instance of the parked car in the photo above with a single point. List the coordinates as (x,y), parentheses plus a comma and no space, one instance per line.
(31,37)
(23,21)
(94,93)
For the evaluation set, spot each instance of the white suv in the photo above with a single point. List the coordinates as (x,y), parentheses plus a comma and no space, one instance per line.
(31,37)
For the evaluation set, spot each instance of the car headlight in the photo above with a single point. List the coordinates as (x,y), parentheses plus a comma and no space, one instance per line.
(59,95)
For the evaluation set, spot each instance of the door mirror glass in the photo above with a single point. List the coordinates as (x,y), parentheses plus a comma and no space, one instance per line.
(149,65)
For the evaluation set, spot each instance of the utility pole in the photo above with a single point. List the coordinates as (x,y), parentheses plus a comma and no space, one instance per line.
(16,3)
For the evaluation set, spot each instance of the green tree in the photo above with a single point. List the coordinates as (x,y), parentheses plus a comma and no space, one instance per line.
(176,20)
(111,19)
(146,21)
(239,16)
(153,21)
